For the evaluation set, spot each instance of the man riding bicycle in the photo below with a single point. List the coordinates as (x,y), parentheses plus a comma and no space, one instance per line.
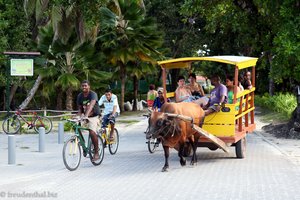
(87,102)
(110,112)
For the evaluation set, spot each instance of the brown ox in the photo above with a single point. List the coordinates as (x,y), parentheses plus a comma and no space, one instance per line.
(173,131)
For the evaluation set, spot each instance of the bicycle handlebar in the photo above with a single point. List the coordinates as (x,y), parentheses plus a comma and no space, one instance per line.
(76,120)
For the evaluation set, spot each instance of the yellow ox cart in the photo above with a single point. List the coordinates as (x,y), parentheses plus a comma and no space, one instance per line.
(229,126)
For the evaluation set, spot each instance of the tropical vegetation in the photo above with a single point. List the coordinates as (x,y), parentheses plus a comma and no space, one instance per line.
(116,43)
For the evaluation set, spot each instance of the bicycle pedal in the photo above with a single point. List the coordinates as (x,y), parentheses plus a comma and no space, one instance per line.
(84,154)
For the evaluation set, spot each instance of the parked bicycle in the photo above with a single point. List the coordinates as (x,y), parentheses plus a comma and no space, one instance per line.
(12,124)
(72,148)
(112,145)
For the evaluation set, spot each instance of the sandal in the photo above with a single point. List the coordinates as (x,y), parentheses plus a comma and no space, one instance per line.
(96,157)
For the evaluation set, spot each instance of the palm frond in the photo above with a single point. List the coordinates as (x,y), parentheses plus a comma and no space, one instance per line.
(29,7)
(67,80)
(40,7)
(107,18)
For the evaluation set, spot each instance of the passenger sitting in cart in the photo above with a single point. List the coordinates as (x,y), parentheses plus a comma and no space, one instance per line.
(196,88)
(184,94)
(218,96)
(159,101)
(230,88)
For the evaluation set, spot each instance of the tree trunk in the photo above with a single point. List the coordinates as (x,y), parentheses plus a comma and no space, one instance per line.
(271,80)
(135,93)
(59,99)
(4,99)
(123,81)
(174,76)
(13,90)
(32,92)
(69,99)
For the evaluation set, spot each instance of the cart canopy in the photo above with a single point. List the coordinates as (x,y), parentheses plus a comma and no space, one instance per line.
(240,61)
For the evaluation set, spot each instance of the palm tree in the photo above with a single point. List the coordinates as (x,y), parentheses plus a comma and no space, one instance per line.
(71,61)
(35,11)
(127,36)
(65,19)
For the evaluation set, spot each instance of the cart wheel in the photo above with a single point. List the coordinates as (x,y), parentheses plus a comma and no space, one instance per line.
(187,149)
(213,148)
(240,148)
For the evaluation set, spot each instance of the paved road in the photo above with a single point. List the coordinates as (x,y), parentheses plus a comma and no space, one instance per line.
(134,173)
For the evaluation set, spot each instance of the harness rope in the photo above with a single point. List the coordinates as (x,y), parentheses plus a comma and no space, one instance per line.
(162,129)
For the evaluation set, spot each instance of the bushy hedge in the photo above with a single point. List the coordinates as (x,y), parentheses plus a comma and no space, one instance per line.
(282,103)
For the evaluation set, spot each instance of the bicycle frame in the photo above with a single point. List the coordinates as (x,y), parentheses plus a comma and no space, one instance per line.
(77,129)
(104,134)
(19,115)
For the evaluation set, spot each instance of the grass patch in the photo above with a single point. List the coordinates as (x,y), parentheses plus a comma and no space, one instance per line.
(269,116)
(133,113)
(128,121)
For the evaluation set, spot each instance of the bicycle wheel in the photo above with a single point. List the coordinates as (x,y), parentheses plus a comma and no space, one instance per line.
(152,144)
(72,154)
(11,125)
(43,122)
(113,145)
(100,150)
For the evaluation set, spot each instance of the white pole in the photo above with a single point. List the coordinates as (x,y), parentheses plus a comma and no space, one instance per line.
(41,139)
(11,150)
(60,132)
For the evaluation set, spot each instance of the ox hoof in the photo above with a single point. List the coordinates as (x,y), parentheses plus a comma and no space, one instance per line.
(165,169)
(183,162)
(193,163)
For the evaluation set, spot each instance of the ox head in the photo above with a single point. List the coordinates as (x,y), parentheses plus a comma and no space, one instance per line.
(161,124)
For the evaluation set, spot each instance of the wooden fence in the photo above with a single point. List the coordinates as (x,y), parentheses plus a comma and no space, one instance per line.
(45,112)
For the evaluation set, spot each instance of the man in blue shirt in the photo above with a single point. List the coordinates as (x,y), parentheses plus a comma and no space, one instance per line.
(111,110)
(218,96)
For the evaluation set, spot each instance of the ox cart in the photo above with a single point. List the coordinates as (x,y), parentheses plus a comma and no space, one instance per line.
(230,126)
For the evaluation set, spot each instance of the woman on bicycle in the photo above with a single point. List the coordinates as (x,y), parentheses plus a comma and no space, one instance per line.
(111,110)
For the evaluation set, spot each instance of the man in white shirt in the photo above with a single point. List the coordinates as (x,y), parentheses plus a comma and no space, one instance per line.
(111,110)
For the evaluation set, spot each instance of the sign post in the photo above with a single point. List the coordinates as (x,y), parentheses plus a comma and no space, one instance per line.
(21,64)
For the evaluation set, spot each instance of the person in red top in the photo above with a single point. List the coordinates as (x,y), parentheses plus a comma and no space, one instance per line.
(151,95)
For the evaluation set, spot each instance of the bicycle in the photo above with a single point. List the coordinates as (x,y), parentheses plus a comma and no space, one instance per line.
(12,124)
(72,148)
(112,145)
(153,143)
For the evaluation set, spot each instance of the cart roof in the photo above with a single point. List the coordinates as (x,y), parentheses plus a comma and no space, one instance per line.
(240,61)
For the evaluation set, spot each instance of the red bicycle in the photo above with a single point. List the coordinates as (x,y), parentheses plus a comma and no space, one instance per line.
(12,124)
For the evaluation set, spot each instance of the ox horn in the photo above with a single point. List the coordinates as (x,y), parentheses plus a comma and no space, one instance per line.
(185,118)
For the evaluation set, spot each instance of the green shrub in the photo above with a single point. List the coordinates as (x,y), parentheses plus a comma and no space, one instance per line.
(67,125)
(281,103)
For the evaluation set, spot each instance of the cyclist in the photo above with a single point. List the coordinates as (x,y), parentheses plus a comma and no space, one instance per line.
(110,112)
(87,102)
